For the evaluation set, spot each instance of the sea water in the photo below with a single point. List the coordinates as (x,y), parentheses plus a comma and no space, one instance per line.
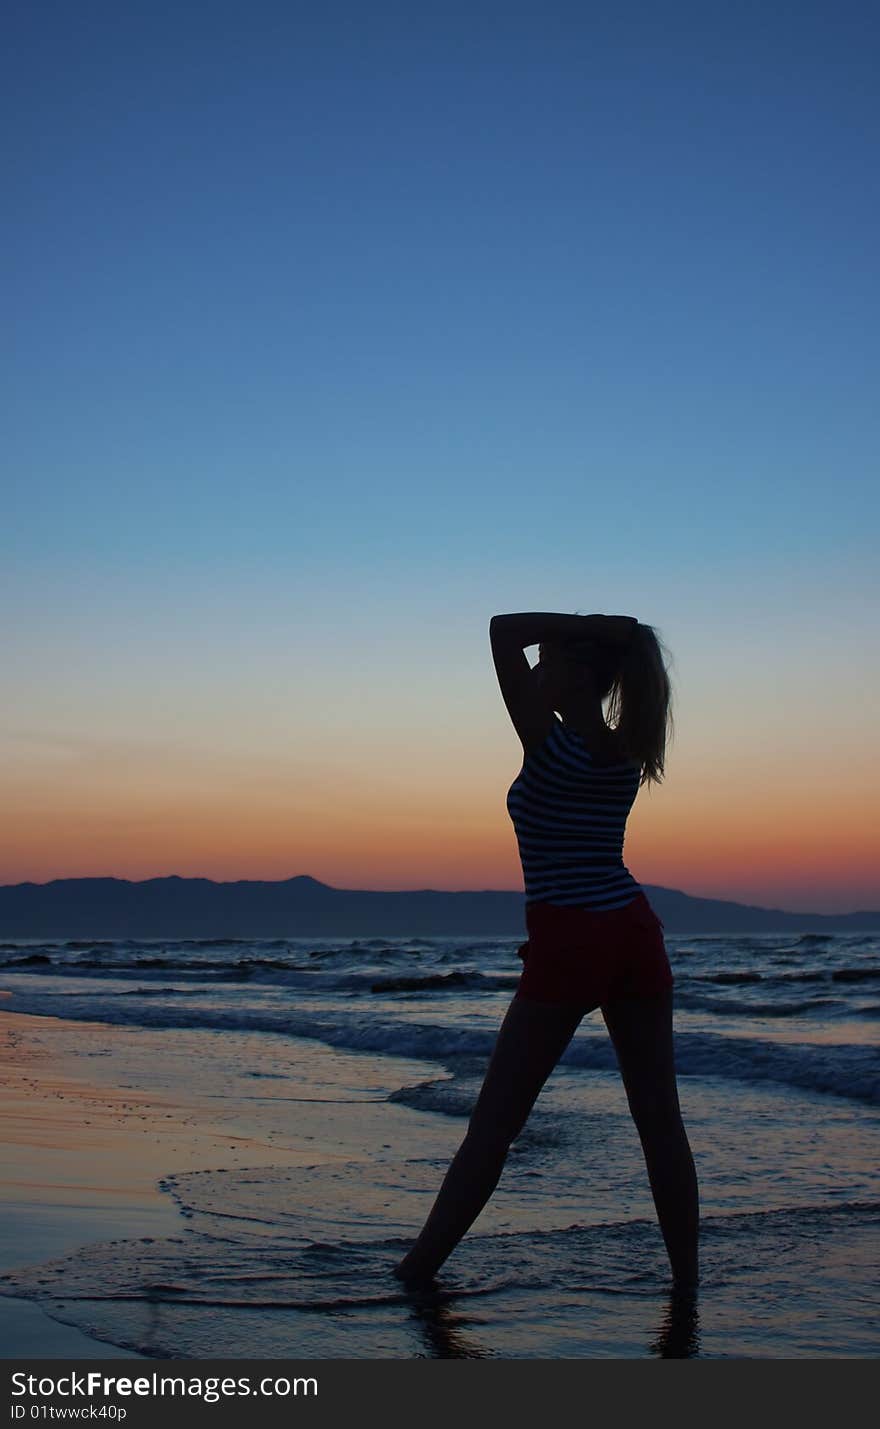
(779,1081)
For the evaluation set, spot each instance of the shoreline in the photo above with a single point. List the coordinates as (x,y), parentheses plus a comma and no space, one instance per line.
(319,1161)
(83,1155)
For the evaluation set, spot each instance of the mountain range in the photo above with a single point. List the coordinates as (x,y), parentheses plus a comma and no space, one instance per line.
(175,907)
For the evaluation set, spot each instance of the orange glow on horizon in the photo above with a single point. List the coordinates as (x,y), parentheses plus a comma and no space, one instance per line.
(393,823)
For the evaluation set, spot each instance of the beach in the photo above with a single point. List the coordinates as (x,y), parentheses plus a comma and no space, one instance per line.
(83,1155)
(90,1134)
(188,1173)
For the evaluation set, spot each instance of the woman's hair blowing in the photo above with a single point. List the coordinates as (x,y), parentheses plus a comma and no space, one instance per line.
(635,680)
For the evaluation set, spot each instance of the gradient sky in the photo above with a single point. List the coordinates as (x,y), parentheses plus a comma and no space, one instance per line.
(336,329)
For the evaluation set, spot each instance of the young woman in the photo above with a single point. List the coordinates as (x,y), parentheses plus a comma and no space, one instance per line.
(594,939)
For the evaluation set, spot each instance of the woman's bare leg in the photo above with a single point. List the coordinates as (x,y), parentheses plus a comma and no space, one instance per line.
(532,1038)
(641,1030)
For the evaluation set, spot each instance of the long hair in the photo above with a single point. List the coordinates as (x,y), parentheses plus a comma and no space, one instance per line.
(635,681)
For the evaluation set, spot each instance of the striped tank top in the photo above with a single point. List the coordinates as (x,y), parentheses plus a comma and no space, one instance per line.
(569,815)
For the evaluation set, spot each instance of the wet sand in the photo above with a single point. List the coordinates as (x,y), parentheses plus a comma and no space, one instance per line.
(82,1157)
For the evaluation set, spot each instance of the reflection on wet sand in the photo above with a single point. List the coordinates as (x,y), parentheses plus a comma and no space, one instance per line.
(447,1335)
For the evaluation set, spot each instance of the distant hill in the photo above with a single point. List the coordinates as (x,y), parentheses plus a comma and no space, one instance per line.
(177,907)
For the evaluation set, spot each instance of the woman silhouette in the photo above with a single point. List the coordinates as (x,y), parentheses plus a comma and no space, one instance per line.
(594,939)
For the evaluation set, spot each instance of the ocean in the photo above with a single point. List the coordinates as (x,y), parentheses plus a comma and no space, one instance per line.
(376,1048)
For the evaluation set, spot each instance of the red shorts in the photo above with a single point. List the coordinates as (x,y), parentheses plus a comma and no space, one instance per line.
(590,956)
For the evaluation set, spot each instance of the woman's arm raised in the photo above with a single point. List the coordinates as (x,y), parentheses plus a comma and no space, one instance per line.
(535,627)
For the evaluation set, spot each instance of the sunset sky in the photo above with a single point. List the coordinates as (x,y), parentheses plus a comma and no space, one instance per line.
(335,329)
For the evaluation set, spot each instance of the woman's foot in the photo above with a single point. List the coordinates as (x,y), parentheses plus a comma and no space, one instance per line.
(411,1272)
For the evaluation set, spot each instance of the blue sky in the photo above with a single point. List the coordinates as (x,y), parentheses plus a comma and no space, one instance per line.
(337,328)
